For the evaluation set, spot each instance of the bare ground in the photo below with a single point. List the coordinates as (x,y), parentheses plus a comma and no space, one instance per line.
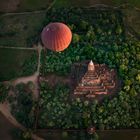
(5,110)
(5,107)
(25,80)
(5,132)
(53,80)
(8,5)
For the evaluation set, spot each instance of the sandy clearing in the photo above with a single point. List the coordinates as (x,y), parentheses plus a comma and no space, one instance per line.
(5,110)
(33,78)
(9,5)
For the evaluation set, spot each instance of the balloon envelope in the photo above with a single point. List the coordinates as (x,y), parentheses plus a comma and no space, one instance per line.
(56,36)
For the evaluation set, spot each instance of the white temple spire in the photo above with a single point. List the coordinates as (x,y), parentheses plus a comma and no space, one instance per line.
(91,66)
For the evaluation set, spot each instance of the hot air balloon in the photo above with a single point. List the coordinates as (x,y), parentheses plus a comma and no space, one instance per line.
(56,36)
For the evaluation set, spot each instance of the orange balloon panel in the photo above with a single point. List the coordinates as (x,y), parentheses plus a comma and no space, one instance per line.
(56,36)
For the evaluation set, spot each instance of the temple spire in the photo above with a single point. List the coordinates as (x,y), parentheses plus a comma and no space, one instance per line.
(91,66)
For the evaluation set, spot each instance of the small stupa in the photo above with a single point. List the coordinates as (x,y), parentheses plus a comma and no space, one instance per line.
(91,66)
(96,81)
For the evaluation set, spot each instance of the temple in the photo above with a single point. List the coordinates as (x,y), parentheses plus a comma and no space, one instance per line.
(97,80)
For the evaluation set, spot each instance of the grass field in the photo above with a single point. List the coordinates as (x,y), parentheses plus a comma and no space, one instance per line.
(133,19)
(13,63)
(5,133)
(20,30)
(23,5)
(30,5)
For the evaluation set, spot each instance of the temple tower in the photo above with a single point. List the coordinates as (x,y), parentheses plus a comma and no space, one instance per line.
(91,66)
(97,80)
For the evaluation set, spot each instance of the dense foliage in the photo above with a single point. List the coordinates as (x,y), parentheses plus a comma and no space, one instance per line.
(23,106)
(4,89)
(93,29)
(30,65)
(60,62)
(52,105)
(100,37)
(58,111)
(118,52)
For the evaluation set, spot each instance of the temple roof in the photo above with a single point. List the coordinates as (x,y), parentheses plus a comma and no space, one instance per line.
(91,66)
(97,80)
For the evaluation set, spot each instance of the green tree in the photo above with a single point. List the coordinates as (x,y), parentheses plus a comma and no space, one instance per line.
(133,92)
(118,29)
(83,25)
(76,38)
(4,89)
(90,35)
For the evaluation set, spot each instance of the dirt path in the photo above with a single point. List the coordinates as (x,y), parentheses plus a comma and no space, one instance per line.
(5,132)
(5,110)
(39,57)
(19,48)
(33,78)
(53,80)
